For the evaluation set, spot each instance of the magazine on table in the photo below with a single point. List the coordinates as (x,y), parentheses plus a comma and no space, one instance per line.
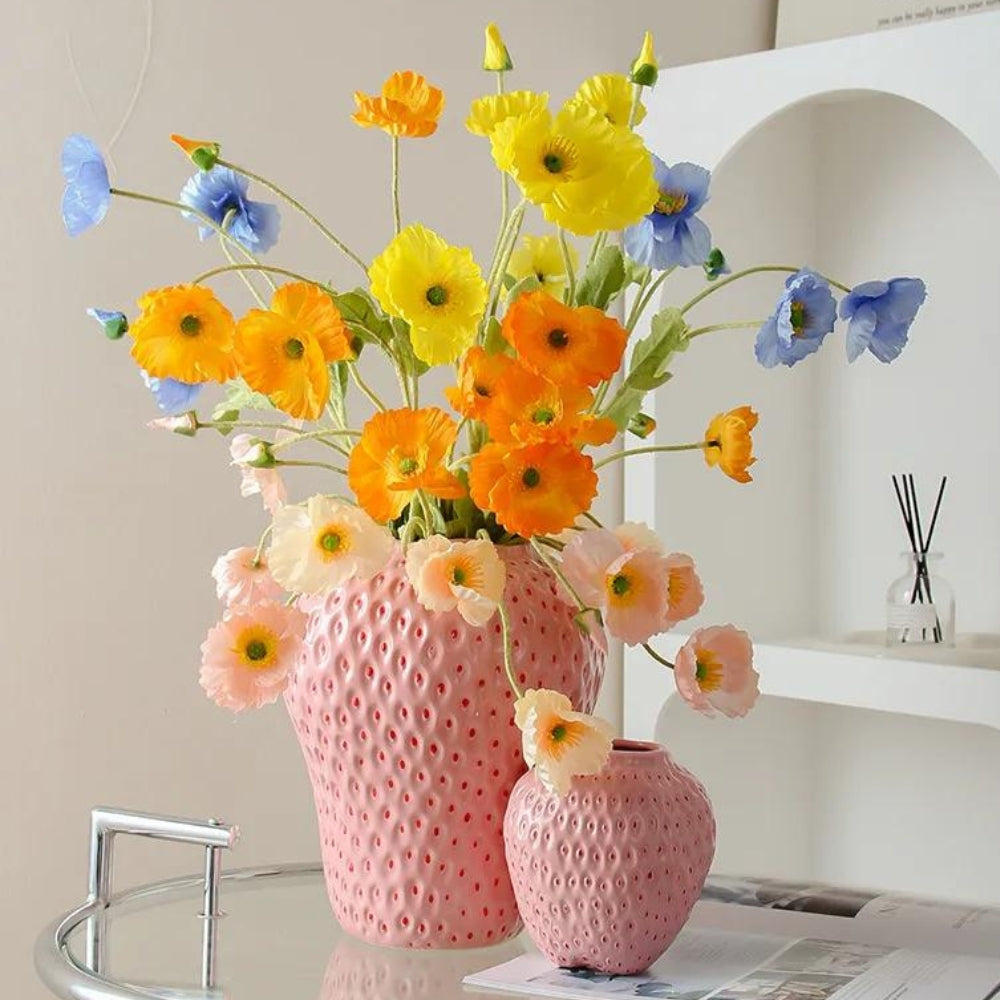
(766,939)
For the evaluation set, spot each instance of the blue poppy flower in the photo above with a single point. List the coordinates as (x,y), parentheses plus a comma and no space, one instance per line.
(172,396)
(88,191)
(221,192)
(672,235)
(114,323)
(805,314)
(880,314)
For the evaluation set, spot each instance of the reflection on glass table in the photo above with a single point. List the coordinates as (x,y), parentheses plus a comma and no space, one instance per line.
(277,941)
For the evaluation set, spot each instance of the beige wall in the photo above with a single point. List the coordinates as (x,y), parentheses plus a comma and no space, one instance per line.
(108,530)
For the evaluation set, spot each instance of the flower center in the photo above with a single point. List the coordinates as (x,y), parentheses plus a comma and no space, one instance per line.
(437,295)
(256,650)
(798,317)
(190,326)
(540,277)
(329,541)
(294,348)
(481,390)
(407,466)
(559,157)
(543,416)
(671,202)
(531,477)
(458,576)
(553,163)
(558,339)
(620,585)
(558,733)
(708,671)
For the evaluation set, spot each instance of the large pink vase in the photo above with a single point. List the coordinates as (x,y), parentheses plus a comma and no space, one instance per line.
(606,876)
(405,719)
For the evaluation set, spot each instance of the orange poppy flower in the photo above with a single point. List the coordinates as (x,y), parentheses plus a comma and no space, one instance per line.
(534,488)
(407,106)
(729,444)
(528,407)
(478,376)
(400,452)
(579,345)
(283,351)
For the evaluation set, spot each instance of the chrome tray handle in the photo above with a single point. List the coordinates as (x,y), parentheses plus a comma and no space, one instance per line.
(105,824)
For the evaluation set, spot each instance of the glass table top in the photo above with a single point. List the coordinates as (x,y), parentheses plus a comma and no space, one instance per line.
(278,940)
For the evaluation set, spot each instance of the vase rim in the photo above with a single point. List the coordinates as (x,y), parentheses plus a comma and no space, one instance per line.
(635,747)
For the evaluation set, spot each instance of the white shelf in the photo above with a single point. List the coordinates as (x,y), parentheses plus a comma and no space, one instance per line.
(962,688)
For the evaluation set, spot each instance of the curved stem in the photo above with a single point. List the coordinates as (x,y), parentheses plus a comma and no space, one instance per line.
(253,424)
(746,272)
(301,209)
(559,574)
(645,297)
(695,446)
(744,325)
(366,388)
(593,520)
(251,287)
(395,185)
(656,656)
(312,465)
(262,268)
(568,265)
(258,557)
(508,665)
(499,269)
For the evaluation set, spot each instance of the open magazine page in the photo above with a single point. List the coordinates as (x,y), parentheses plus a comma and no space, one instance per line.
(796,909)
(708,964)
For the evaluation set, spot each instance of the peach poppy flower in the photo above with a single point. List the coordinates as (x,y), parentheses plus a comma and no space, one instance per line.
(528,407)
(558,742)
(714,671)
(319,545)
(479,375)
(241,578)
(685,594)
(247,657)
(407,106)
(566,344)
(244,449)
(400,452)
(533,489)
(627,582)
(467,576)
(283,351)
(729,444)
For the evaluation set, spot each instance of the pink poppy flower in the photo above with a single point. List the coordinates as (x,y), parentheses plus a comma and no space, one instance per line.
(685,595)
(243,579)
(246,658)
(245,449)
(714,671)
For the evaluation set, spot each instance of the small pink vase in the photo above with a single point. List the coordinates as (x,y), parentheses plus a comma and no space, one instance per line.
(606,876)
(405,719)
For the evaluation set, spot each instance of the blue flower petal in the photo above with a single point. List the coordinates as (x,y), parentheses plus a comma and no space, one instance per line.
(859,332)
(220,194)
(804,316)
(172,396)
(880,315)
(87,195)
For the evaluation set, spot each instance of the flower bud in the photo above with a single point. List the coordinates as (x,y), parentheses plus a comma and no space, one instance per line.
(641,425)
(496,58)
(645,70)
(715,265)
(204,153)
(259,456)
(183,423)
(114,323)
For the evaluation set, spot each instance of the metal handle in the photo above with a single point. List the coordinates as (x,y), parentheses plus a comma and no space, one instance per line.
(105,824)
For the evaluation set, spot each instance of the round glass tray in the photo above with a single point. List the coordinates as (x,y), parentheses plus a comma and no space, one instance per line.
(278,940)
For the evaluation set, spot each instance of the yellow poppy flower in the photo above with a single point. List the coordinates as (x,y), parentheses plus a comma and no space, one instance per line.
(585,173)
(283,351)
(488,112)
(185,333)
(541,257)
(438,289)
(610,95)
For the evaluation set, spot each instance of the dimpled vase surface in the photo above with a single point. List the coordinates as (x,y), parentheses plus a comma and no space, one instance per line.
(405,719)
(606,876)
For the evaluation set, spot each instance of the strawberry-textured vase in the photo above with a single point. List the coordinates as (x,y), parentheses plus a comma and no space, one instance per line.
(405,718)
(606,876)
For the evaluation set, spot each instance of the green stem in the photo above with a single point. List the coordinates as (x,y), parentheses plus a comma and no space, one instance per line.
(320,437)
(695,446)
(302,210)
(634,111)
(395,185)
(366,388)
(745,325)
(568,265)
(499,269)
(593,520)
(560,575)
(313,465)
(504,178)
(251,287)
(746,272)
(597,246)
(639,307)
(656,656)
(263,268)
(259,555)
(508,665)
(253,424)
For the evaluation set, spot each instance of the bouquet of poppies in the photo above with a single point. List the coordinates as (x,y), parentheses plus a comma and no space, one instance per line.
(546,364)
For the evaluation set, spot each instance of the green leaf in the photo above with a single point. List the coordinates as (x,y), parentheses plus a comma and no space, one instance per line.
(339,377)
(363,317)
(523,287)
(225,421)
(403,349)
(239,396)
(495,342)
(635,273)
(603,280)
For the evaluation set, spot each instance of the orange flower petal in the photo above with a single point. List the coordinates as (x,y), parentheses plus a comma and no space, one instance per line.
(407,106)
(730,444)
